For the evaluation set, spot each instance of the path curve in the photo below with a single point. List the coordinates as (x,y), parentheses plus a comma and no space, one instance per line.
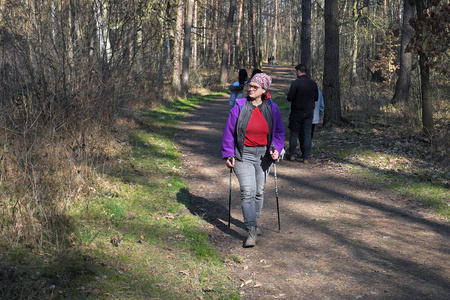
(341,238)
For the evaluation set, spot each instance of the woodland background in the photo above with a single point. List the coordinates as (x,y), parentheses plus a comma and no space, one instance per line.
(73,73)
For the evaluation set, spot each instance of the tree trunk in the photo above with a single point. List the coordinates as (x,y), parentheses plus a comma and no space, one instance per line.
(73,33)
(331,85)
(305,39)
(258,24)
(275,26)
(354,75)
(315,37)
(227,44)
(251,20)
(204,36)
(427,101)
(291,34)
(238,36)
(195,46)
(214,38)
(100,23)
(404,80)
(167,37)
(187,48)
(176,84)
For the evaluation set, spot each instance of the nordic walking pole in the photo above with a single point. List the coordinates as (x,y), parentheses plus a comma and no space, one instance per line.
(230,159)
(276,188)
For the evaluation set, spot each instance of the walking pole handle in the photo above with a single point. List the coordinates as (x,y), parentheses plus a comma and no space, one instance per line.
(273,150)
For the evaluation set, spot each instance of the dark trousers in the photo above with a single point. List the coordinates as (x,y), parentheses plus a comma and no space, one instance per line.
(300,126)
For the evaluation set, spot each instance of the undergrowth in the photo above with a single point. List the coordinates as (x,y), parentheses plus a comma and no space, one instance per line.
(131,237)
(391,151)
(123,231)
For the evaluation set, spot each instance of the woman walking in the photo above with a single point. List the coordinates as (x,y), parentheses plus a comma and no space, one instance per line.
(252,139)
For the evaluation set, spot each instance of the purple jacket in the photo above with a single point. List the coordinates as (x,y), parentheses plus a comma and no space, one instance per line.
(229,145)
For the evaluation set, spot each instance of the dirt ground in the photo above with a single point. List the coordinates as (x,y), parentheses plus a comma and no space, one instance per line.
(341,238)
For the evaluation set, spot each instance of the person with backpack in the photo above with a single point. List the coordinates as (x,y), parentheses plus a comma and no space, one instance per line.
(252,140)
(237,87)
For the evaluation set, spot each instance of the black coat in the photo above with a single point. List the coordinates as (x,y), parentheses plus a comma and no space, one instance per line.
(303,94)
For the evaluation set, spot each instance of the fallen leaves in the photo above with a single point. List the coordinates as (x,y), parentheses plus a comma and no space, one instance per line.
(169,216)
(245,282)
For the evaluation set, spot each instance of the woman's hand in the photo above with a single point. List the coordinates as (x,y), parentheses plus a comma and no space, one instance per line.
(230,162)
(274,154)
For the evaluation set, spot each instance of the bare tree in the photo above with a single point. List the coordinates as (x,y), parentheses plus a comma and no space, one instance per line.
(251,20)
(355,46)
(227,44)
(187,47)
(404,79)
(176,71)
(195,29)
(331,84)
(275,29)
(427,102)
(238,36)
(305,40)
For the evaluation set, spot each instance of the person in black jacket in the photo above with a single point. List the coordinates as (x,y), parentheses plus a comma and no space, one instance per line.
(303,95)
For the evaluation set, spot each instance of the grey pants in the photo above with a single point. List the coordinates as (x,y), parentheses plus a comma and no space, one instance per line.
(252,174)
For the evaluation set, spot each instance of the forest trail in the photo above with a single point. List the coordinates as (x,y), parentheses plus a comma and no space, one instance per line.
(341,238)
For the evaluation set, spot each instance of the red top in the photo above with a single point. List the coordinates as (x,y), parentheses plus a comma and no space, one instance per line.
(257,130)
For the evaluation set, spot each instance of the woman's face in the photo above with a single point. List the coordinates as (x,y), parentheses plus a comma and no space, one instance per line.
(255,90)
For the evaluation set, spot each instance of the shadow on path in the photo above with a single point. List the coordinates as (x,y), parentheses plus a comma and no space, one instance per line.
(341,238)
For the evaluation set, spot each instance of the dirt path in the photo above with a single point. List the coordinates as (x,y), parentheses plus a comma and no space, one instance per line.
(341,238)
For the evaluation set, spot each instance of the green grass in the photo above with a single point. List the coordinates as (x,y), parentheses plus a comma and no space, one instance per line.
(399,173)
(132,239)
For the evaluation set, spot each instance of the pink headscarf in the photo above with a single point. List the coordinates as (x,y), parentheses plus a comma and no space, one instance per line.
(262,79)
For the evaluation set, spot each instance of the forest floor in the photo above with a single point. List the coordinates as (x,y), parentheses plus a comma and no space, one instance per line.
(342,237)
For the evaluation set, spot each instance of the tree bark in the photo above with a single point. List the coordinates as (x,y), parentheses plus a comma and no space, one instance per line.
(353,74)
(100,23)
(187,48)
(227,44)
(316,36)
(176,80)
(427,101)
(305,38)
(258,24)
(275,26)
(404,80)
(214,34)
(195,46)
(331,85)
(167,37)
(251,20)
(238,36)
(291,34)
